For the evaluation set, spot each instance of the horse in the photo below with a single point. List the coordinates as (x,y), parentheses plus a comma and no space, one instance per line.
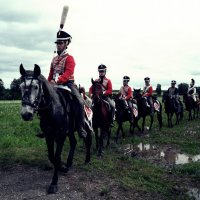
(123,114)
(171,109)
(101,116)
(191,106)
(144,109)
(57,111)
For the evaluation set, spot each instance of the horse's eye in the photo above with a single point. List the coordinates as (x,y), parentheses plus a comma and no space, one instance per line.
(36,87)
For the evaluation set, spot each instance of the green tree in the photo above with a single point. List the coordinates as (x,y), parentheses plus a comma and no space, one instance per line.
(2,89)
(158,89)
(15,89)
(183,88)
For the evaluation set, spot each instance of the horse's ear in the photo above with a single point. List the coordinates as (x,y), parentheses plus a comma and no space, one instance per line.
(22,70)
(37,70)
(92,80)
(101,81)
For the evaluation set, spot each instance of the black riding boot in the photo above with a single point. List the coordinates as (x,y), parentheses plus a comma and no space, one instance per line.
(81,124)
(112,116)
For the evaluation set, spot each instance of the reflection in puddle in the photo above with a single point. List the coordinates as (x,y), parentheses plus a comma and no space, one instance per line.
(170,155)
(194,192)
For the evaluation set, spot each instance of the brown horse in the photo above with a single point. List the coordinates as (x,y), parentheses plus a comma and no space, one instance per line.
(101,116)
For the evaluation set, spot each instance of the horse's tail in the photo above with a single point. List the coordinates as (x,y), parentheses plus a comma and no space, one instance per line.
(159,116)
(182,109)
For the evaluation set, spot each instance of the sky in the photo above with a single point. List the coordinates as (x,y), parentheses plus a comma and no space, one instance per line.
(155,38)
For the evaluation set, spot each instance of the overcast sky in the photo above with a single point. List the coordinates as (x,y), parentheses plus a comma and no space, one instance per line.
(138,38)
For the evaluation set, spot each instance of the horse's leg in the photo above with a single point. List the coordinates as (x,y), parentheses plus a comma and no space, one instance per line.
(143,123)
(117,133)
(101,142)
(53,188)
(88,144)
(189,115)
(159,117)
(151,117)
(96,138)
(50,146)
(123,134)
(168,120)
(194,113)
(130,128)
(108,139)
(136,124)
(73,142)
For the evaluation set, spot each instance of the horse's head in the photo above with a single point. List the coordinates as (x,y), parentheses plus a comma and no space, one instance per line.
(97,89)
(31,91)
(165,96)
(137,93)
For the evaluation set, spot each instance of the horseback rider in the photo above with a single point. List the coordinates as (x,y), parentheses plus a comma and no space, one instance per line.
(192,90)
(173,93)
(107,87)
(126,92)
(62,72)
(147,92)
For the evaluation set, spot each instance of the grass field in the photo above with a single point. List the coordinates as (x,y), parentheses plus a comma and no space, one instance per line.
(18,145)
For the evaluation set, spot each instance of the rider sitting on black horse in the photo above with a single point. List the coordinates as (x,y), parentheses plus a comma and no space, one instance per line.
(192,91)
(147,92)
(126,92)
(62,72)
(107,88)
(173,93)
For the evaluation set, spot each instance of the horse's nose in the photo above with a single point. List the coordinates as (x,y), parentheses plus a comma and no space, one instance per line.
(27,113)
(27,116)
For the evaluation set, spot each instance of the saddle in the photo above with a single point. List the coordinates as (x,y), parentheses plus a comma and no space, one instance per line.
(87,106)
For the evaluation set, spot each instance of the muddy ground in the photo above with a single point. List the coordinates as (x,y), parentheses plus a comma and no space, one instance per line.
(23,183)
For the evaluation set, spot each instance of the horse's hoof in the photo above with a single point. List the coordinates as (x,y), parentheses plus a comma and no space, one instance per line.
(52,189)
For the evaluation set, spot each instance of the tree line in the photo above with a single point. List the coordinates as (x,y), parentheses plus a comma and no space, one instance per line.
(13,93)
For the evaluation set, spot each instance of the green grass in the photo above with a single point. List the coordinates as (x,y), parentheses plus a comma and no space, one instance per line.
(18,145)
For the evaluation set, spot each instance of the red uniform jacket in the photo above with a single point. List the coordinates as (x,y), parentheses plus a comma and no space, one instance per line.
(127,92)
(64,67)
(107,86)
(147,91)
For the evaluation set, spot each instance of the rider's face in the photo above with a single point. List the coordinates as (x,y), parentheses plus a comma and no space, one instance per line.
(102,72)
(125,83)
(61,46)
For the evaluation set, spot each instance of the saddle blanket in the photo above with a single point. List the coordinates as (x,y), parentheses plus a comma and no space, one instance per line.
(135,112)
(156,106)
(88,112)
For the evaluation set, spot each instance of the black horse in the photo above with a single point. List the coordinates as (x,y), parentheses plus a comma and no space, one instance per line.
(101,116)
(57,118)
(145,110)
(171,108)
(191,106)
(123,114)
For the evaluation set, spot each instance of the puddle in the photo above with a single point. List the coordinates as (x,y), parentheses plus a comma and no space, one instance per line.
(164,154)
(194,193)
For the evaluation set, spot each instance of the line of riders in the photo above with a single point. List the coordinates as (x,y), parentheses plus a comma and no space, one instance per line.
(62,73)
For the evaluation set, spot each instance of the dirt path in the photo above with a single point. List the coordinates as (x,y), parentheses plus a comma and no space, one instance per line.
(23,183)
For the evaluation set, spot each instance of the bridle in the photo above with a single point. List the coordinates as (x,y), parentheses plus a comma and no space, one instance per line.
(97,90)
(26,96)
